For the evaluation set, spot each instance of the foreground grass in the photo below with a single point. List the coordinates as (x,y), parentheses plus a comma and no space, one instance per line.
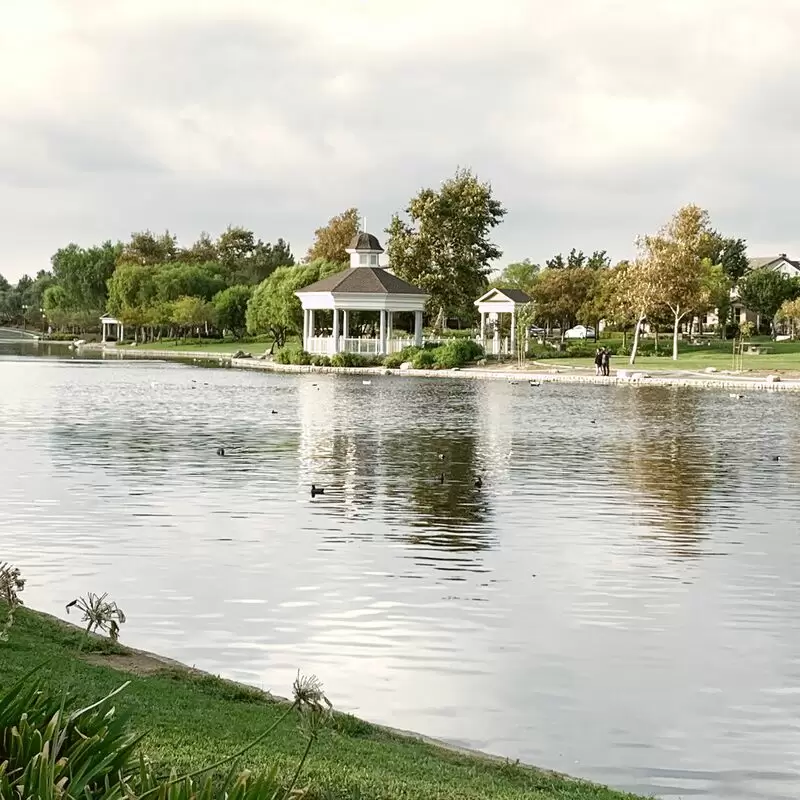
(192,719)
(207,346)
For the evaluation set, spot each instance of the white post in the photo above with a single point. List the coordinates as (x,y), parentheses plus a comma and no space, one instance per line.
(121,333)
(305,329)
(382,337)
(389,330)
(513,333)
(496,341)
(346,324)
(418,328)
(335,330)
(104,330)
(483,328)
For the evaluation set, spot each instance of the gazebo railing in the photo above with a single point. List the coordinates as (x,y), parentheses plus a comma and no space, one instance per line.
(364,346)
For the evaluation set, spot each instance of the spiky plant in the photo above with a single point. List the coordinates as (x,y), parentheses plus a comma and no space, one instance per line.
(99,613)
(11,585)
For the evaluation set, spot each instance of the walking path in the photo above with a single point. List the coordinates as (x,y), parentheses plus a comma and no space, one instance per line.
(535,371)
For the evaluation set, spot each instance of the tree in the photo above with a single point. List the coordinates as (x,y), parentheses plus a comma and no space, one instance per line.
(673,263)
(598,260)
(520,275)
(764,291)
(201,252)
(83,273)
(230,308)
(446,249)
(192,312)
(146,247)
(561,295)
(263,261)
(274,308)
(789,312)
(234,246)
(556,262)
(331,241)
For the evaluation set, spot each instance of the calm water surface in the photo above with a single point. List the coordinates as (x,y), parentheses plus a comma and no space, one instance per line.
(619,601)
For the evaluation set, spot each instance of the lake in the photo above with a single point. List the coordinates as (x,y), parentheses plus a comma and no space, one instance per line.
(619,601)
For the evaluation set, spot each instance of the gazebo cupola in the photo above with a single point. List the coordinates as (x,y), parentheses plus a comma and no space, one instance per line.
(365,250)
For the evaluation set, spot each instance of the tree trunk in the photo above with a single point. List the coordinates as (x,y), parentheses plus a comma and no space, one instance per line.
(655,331)
(635,346)
(624,338)
(675,333)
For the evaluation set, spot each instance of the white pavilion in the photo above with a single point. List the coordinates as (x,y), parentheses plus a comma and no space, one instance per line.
(490,306)
(113,329)
(364,286)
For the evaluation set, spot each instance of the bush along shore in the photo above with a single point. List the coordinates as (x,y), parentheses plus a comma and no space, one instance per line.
(83,716)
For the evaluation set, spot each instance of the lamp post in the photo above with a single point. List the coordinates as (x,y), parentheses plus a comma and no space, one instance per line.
(24,316)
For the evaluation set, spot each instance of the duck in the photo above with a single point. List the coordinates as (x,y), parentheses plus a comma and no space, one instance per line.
(441,456)
(220,451)
(274,411)
(736,396)
(535,383)
(367,383)
(441,478)
(478,482)
(776,458)
(315,490)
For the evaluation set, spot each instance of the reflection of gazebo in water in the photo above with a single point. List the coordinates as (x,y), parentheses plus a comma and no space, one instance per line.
(364,286)
(491,305)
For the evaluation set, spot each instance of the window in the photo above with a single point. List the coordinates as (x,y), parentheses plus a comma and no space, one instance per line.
(362,259)
(373,259)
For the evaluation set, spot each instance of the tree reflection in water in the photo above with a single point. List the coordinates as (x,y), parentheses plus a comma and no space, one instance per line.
(671,466)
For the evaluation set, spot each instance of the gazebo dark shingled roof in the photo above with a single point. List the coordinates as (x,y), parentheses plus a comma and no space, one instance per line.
(515,295)
(365,241)
(362,280)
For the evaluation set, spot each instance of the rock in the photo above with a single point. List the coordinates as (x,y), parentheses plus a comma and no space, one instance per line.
(406,365)
(773,378)
(482,362)
(710,369)
(241,354)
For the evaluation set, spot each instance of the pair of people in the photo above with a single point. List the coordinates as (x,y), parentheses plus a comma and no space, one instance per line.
(602,359)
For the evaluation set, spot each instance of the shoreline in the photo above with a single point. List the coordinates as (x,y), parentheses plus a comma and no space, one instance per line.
(622,377)
(351,754)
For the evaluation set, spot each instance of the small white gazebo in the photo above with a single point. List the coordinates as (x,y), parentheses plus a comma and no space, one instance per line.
(363,286)
(110,326)
(490,306)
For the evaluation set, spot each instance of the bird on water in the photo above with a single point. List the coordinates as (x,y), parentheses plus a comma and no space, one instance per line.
(478,482)
(220,451)
(315,490)
(441,478)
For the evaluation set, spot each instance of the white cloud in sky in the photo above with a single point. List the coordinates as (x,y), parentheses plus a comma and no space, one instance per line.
(594,119)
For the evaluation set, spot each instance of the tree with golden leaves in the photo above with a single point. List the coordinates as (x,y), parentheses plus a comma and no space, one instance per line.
(331,242)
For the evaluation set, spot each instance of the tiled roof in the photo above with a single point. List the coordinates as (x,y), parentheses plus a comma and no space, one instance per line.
(365,241)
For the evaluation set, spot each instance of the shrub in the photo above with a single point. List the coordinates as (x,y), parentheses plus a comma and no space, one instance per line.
(396,359)
(293,355)
(348,360)
(424,359)
(581,349)
(321,361)
(456,353)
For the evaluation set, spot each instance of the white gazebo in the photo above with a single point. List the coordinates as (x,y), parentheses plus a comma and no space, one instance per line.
(363,286)
(490,306)
(110,326)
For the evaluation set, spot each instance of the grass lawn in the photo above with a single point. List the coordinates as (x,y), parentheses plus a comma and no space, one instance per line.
(782,357)
(210,346)
(192,719)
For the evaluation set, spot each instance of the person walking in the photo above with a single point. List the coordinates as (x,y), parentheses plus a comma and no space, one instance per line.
(605,362)
(598,361)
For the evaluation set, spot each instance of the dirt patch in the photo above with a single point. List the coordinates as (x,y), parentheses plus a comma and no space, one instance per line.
(134,662)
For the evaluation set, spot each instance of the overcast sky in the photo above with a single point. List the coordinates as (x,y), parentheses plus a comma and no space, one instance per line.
(593,119)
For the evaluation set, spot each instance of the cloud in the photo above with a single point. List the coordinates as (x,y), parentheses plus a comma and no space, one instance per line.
(593,120)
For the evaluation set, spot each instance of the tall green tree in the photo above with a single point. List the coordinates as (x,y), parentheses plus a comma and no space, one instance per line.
(446,249)
(274,308)
(331,241)
(520,275)
(201,252)
(83,273)
(146,247)
(764,291)
(230,308)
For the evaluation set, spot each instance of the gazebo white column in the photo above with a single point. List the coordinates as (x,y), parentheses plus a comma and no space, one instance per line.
(103,326)
(418,328)
(305,329)
(382,336)
(389,329)
(346,324)
(335,330)
(513,332)
(483,328)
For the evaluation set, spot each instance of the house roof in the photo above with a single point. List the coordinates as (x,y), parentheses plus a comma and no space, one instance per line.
(514,295)
(365,241)
(363,280)
(768,261)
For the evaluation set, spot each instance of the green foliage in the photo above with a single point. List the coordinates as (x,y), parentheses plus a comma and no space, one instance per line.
(11,586)
(764,291)
(230,308)
(321,361)
(274,307)
(394,360)
(349,360)
(520,275)
(293,355)
(99,614)
(457,353)
(424,359)
(446,249)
